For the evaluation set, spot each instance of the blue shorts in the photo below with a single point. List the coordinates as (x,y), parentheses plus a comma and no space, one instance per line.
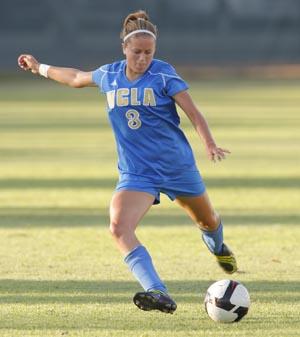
(187,184)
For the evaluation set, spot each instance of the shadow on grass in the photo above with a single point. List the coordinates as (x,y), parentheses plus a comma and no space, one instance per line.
(25,183)
(106,292)
(93,217)
(106,307)
(50,155)
(90,124)
(97,183)
(32,292)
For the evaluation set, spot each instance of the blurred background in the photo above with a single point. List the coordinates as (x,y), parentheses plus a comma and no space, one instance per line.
(205,33)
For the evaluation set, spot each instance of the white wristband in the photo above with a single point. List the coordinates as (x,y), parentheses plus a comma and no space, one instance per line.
(43,70)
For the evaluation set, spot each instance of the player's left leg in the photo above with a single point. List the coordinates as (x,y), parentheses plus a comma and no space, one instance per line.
(200,210)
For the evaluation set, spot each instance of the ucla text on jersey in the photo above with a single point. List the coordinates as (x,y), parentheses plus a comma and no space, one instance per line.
(126,96)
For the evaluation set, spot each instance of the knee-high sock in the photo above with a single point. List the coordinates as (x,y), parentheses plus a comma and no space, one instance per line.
(140,263)
(214,239)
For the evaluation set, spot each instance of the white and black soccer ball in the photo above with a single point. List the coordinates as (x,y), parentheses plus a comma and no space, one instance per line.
(227,301)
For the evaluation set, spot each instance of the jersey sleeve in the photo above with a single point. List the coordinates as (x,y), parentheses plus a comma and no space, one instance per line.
(98,76)
(173,82)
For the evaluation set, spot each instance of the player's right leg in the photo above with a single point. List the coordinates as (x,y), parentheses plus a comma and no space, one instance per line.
(126,210)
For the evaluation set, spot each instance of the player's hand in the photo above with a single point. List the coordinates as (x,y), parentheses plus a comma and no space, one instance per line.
(28,62)
(216,153)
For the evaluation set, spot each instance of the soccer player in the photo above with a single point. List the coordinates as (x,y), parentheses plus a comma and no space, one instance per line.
(154,154)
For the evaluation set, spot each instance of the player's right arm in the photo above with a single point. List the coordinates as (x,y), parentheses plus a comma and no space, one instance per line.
(74,78)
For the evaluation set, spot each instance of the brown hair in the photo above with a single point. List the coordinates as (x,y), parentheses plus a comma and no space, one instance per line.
(135,21)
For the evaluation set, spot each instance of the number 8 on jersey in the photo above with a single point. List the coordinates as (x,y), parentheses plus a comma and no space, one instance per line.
(133,117)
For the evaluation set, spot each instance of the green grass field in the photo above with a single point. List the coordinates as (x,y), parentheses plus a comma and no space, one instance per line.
(60,273)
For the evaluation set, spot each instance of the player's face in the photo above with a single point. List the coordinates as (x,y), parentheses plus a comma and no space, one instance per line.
(139,53)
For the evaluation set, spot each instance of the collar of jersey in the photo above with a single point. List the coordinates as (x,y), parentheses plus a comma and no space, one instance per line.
(137,79)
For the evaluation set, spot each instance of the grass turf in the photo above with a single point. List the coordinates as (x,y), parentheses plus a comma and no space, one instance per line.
(60,274)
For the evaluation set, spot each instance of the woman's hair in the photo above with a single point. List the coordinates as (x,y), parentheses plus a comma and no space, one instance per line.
(135,21)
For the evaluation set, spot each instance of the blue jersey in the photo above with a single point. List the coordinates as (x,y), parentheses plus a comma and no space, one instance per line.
(145,121)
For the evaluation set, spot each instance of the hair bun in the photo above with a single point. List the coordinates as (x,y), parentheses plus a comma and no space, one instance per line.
(135,21)
(136,16)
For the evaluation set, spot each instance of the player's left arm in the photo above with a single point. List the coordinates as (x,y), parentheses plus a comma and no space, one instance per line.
(184,100)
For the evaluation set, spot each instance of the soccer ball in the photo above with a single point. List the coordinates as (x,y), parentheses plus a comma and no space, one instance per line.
(227,301)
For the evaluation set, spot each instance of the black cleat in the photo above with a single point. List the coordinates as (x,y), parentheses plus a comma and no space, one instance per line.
(226,260)
(154,300)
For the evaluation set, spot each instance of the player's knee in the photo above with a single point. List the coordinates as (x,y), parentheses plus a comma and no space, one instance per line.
(210,222)
(117,229)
